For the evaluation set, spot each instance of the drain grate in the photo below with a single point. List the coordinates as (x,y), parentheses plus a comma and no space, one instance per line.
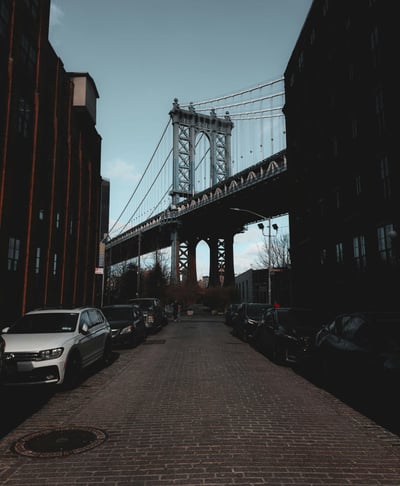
(59,442)
(154,341)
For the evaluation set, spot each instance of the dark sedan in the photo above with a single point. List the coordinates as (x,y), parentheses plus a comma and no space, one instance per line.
(154,314)
(229,314)
(2,346)
(286,334)
(246,319)
(127,324)
(360,347)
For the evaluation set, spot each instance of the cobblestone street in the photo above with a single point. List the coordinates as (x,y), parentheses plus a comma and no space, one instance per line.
(196,406)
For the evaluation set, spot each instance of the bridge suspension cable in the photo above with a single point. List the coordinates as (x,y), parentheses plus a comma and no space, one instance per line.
(141,179)
(238,93)
(258,131)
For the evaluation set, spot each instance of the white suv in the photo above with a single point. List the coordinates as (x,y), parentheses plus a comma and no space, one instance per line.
(52,346)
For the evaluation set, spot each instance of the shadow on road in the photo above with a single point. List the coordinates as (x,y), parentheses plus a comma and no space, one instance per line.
(376,400)
(19,403)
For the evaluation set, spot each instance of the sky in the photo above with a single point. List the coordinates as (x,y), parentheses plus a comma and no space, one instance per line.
(144,53)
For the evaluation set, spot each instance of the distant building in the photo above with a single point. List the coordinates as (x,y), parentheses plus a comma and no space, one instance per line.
(50,183)
(342,109)
(203,282)
(252,286)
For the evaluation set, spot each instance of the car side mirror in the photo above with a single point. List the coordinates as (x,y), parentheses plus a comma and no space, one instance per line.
(84,328)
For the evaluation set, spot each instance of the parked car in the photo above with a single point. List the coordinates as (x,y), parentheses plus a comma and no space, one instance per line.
(2,346)
(53,346)
(287,334)
(360,347)
(246,319)
(127,324)
(154,314)
(229,313)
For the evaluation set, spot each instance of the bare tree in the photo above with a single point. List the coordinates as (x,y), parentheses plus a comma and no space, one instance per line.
(279,254)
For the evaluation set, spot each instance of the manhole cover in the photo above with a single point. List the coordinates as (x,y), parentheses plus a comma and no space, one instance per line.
(59,442)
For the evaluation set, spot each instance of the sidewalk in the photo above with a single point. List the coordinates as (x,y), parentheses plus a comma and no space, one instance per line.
(196,406)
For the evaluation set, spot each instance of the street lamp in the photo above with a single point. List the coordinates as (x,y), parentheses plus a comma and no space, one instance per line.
(261,226)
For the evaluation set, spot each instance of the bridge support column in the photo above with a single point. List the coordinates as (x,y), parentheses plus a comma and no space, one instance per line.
(191,262)
(213,279)
(229,274)
(221,261)
(174,257)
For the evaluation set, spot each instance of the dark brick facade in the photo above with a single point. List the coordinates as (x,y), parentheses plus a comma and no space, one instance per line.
(342,150)
(50,182)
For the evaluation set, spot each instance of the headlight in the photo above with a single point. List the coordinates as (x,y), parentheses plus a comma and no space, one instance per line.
(49,354)
(127,330)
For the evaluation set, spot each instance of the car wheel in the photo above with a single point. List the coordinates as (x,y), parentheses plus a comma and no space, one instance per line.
(277,354)
(72,372)
(107,353)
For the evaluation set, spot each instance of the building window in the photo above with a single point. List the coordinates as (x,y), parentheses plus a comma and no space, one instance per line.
(385,243)
(58,220)
(24,118)
(321,205)
(385,178)
(13,254)
(37,261)
(354,128)
(323,256)
(335,147)
(4,17)
(33,6)
(357,182)
(360,259)
(41,214)
(312,36)
(351,72)
(339,252)
(300,61)
(325,8)
(55,264)
(374,38)
(71,227)
(380,112)
(28,53)
(337,199)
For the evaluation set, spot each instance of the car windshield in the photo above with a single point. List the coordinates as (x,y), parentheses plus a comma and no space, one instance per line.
(45,323)
(144,304)
(301,318)
(256,310)
(118,313)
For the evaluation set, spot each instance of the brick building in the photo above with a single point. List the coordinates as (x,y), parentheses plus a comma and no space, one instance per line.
(50,182)
(342,105)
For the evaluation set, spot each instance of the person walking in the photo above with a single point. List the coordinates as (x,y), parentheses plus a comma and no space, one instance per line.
(175,310)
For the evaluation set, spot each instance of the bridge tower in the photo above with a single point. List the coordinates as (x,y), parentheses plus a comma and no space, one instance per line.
(187,125)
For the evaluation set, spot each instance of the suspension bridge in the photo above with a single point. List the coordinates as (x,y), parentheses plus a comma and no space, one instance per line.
(212,155)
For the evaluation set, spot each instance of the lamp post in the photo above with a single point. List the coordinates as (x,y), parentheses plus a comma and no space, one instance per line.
(138,264)
(261,226)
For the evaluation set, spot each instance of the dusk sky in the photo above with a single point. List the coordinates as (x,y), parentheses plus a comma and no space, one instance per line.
(144,53)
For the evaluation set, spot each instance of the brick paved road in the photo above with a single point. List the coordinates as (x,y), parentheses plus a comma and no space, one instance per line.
(203,408)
